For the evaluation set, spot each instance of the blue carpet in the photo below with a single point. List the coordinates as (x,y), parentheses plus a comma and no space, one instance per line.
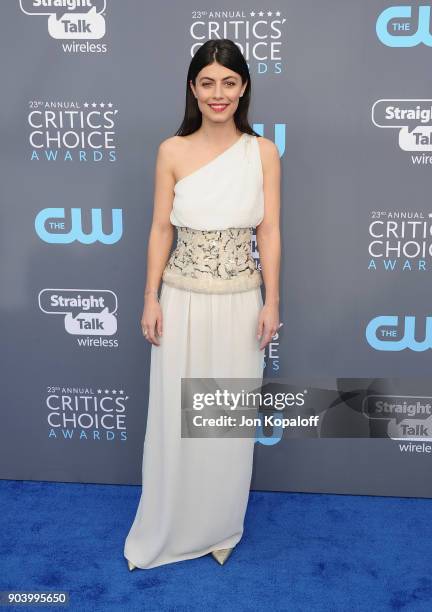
(299,552)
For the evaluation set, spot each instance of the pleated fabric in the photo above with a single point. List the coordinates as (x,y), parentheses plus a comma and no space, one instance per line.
(194,490)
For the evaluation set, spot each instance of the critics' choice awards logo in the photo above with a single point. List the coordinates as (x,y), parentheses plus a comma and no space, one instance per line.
(258,34)
(51,226)
(272,354)
(408,417)
(400,241)
(84,414)
(71,131)
(413,120)
(404,26)
(71,20)
(88,314)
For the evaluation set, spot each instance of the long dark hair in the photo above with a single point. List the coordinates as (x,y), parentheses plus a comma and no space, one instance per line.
(226,53)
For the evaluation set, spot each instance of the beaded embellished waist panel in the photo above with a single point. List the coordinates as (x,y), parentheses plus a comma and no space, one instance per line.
(212,261)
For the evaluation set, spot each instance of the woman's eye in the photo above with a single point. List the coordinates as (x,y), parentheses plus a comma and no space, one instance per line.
(228,83)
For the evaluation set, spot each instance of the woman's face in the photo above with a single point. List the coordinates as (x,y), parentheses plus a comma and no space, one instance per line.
(218,90)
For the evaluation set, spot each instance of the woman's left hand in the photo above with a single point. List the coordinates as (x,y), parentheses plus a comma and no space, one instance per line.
(268,323)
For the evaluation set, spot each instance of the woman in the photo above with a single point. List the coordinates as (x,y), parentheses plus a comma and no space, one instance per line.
(215,181)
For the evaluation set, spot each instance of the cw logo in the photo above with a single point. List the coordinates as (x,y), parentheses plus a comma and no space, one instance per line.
(405,37)
(55,218)
(385,339)
(276,436)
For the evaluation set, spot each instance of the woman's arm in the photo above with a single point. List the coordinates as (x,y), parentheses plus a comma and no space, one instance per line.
(160,239)
(268,239)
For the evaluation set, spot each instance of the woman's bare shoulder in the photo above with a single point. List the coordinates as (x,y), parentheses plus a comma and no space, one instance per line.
(267,147)
(270,158)
(172,144)
(170,151)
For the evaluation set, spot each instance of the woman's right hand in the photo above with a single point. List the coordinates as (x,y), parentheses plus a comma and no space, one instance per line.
(151,320)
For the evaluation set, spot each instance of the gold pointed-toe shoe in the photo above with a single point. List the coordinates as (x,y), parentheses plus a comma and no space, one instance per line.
(131,566)
(222,554)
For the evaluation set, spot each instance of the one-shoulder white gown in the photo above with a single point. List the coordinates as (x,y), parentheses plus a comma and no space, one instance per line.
(195,490)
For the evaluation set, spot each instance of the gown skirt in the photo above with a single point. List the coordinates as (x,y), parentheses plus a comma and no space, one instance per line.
(194,490)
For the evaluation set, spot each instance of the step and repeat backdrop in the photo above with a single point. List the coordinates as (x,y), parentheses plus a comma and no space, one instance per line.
(89,90)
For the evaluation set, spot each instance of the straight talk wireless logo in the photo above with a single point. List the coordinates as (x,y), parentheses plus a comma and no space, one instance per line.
(407,418)
(89,315)
(72,20)
(412,118)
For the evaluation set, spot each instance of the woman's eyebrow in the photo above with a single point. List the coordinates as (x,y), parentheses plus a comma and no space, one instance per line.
(210,78)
